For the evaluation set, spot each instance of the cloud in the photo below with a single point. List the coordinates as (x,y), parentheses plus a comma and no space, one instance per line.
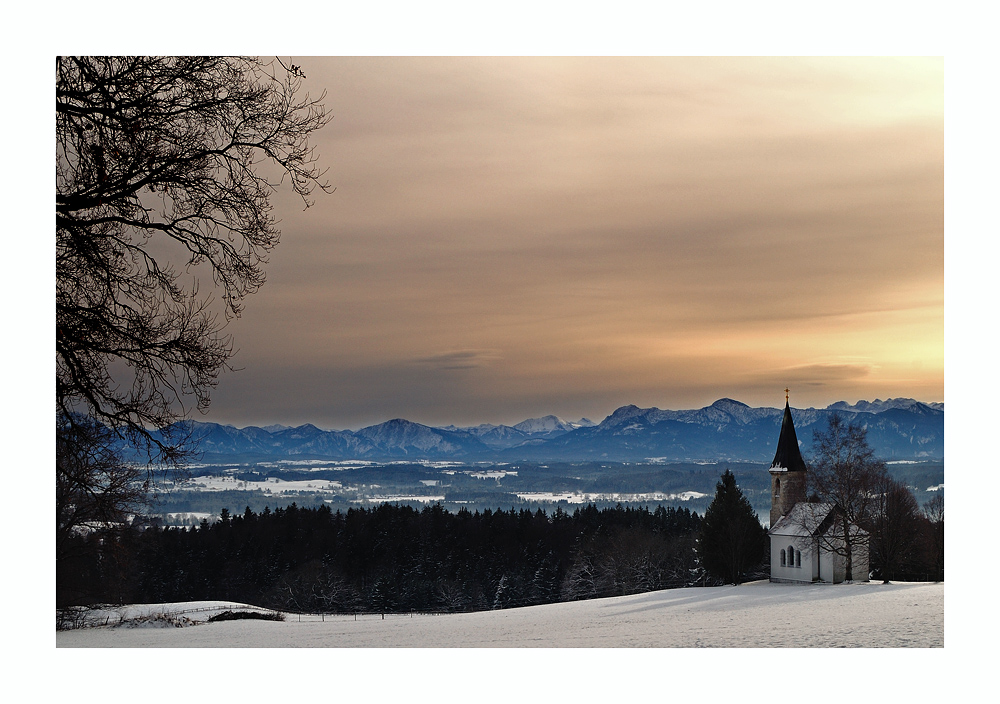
(823,375)
(459,360)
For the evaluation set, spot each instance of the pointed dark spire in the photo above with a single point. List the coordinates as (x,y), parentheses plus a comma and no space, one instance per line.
(788,456)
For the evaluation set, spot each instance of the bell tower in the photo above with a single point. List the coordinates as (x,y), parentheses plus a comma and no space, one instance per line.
(788,470)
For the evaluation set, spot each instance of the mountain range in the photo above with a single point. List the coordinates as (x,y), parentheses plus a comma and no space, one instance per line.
(727,430)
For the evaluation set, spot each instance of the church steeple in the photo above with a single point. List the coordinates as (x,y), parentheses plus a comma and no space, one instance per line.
(788,456)
(788,470)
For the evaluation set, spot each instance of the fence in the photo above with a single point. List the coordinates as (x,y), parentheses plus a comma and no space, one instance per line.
(91,617)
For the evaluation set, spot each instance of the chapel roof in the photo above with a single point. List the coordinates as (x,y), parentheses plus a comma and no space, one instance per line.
(812,519)
(806,518)
(788,457)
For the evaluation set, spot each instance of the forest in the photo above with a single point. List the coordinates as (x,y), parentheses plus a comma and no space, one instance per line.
(390,558)
(395,558)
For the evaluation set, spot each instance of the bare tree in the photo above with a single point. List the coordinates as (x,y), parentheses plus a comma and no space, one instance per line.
(164,172)
(98,495)
(95,489)
(584,579)
(312,588)
(894,526)
(845,472)
(933,511)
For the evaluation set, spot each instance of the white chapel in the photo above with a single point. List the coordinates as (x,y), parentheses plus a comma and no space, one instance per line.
(803,534)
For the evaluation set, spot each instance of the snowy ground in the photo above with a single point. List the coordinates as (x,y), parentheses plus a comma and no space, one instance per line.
(271,485)
(760,614)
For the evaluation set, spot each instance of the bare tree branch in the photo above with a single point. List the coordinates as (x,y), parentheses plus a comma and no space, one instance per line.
(154,153)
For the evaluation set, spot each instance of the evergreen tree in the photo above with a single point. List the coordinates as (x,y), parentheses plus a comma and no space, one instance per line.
(732,541)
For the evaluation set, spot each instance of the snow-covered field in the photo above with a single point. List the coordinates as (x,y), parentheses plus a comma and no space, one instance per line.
(755,615)
(575,497)
(272,485)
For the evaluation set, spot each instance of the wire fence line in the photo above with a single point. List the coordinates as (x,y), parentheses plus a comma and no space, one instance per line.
(72,618)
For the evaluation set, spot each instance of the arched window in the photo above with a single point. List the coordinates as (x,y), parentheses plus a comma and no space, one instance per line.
(782,557)
(777,488)
(798,558)
(791,556)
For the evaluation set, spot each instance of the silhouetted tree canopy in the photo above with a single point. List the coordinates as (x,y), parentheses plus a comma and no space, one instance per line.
(932,542)
(894,527)
(164,171)
(95,489)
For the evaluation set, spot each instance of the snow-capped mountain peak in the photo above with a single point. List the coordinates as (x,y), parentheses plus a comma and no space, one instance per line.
(880,406)
(898,428)
(545,424)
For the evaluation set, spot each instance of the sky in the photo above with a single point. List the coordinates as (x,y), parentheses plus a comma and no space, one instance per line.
(513,237)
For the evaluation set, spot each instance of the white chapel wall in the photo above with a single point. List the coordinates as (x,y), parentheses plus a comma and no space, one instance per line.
(788,572)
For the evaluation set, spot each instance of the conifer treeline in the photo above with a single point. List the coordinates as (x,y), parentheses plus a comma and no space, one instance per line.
(390,559)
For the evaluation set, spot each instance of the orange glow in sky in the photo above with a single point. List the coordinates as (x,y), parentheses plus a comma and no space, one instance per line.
(514,237)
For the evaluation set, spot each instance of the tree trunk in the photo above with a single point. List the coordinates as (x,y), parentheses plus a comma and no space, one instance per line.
(849,563)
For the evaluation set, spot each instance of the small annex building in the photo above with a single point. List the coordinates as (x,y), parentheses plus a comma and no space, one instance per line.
(804,534)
